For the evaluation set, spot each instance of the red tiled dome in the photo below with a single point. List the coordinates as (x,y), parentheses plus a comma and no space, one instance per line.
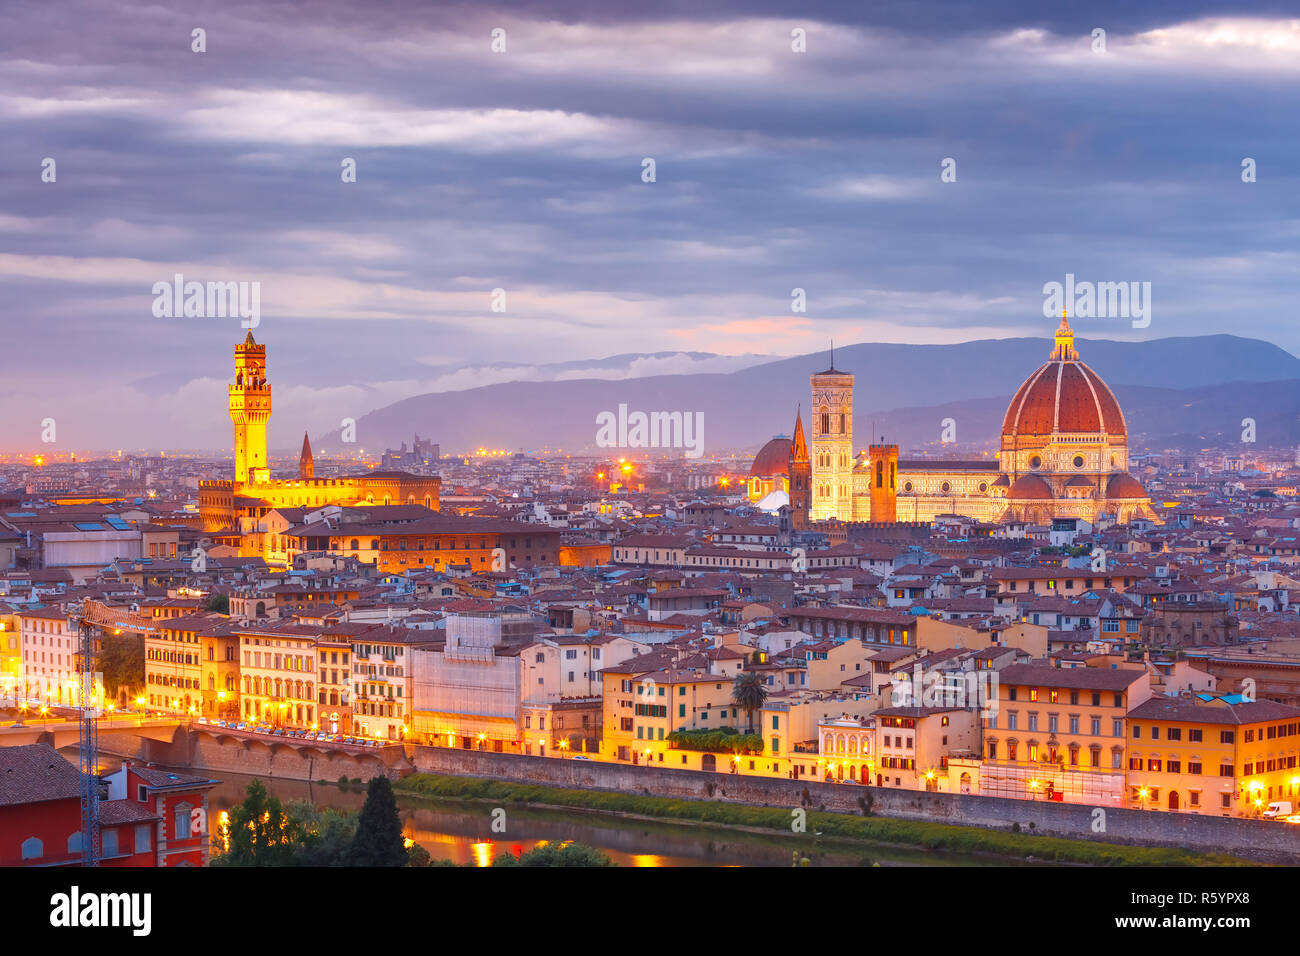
(1064,396)
(1124,485)
(772,459)
(1030,487)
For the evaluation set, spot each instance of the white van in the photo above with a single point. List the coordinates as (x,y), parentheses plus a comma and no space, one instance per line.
(1278,808)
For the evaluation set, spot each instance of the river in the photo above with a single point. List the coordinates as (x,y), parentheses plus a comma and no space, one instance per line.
(462,831)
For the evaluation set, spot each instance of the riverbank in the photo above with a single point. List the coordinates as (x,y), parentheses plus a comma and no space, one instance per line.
(1008,845)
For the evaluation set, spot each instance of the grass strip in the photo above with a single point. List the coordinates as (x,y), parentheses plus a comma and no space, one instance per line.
(918,833)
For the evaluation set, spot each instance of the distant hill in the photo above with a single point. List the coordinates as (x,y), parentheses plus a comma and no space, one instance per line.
(1189,386)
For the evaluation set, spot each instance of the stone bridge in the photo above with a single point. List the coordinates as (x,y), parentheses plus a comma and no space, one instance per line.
(174,743)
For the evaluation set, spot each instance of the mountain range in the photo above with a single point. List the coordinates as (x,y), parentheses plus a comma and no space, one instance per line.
(1187,392)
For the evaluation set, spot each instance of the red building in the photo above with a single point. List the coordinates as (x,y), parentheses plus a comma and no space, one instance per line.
(40,813)
(177,801)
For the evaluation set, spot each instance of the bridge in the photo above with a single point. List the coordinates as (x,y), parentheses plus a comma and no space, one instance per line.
(180,743)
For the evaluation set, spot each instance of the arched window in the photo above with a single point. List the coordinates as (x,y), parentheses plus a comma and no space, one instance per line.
(74,844)
(34,849)
(354,544)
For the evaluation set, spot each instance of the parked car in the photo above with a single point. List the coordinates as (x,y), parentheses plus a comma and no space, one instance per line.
(581,757)
(242,725)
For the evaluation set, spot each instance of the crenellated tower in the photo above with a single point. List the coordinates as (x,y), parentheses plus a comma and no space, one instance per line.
(882,461)
(250,409)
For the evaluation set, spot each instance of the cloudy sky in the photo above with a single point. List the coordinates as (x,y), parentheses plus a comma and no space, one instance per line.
(522,170)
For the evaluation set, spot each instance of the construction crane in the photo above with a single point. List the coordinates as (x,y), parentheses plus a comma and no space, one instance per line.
(88,742)
(92,617)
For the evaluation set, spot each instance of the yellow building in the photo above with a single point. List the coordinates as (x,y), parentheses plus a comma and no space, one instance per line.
(643,705)
(1060,733)
(237,505)
(1218,756)
(11,655)
(173,672)
(934,634)
(279,679)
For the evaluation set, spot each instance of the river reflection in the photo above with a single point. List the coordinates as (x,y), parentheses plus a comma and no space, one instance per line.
(463,832)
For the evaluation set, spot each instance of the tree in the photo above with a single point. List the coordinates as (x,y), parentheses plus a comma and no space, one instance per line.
(219,603)
(378,840)
(565,854)
(748,693)
(325,835)
(259,832)
(121,661)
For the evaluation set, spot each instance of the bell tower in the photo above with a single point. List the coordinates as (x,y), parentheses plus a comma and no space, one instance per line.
(882,460)
(800,472)
(250,408)
(832,444)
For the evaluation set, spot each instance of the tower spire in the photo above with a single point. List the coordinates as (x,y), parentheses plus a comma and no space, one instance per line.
(1064,350)
(799,447)
(306,464)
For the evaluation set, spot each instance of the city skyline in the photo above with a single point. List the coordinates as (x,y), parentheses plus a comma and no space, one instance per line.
(523,170)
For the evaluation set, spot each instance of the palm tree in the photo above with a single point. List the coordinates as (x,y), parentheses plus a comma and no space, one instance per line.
(748,693)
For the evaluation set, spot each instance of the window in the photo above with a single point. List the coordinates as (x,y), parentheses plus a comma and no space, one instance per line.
(181,824)
(108,842)
(142,843)
(1194,736)
(33,849)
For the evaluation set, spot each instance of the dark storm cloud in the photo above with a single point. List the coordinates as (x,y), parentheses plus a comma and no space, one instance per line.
(522,171)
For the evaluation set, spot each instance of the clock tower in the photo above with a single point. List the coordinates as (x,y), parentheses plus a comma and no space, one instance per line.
(250,408)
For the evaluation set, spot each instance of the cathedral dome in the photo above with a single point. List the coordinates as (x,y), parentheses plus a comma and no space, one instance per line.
(1124,485)
(772,459)
(1030,487)
(1063,396)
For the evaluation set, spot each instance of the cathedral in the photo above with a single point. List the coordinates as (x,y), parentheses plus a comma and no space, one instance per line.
(1063,454)
(236,506)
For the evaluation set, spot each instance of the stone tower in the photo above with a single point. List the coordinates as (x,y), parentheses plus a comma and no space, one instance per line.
(250,409)
(306,465)
(882,460)
(800,473)
(832,445)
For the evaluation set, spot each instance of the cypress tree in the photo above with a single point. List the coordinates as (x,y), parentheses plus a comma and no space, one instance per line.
(378,840)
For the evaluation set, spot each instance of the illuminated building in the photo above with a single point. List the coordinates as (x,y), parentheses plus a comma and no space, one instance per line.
(1060,733)
(1213,755)
(237,505)
(48,644)
(1064,454)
